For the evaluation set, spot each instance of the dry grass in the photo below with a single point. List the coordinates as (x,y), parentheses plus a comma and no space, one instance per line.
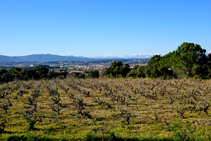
(128,107)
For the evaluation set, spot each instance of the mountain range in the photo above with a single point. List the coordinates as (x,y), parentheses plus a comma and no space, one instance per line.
(51,58)
(41,58)
(130,56)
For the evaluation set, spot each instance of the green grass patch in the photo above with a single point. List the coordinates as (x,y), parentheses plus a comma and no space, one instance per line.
(28,137)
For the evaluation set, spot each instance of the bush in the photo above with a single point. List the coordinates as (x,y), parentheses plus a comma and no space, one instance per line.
(81,75)
(94,74)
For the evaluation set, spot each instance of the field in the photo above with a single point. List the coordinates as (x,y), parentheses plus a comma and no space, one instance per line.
(106,109)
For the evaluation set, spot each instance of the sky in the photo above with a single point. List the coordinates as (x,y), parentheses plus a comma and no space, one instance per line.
(102,27)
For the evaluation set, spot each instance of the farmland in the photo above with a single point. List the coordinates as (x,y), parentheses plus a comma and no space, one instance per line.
(97,109)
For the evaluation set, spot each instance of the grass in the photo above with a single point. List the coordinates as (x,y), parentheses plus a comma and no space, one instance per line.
(28,137)
(153,116)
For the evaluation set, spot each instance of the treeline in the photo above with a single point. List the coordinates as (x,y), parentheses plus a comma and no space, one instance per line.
(27,74)
(85,74)
(117,69)
(188,61)
(41,73)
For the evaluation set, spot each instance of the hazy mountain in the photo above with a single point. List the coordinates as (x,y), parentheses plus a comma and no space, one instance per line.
(9,59)
(41,58)
(129,56)
(51,58)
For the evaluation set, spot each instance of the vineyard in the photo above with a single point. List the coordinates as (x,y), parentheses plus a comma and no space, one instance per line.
(106,109)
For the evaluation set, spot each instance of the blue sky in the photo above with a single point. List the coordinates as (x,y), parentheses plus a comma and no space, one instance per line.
(102,27)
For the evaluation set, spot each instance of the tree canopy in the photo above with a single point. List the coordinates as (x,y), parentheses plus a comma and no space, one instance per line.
(27,74)
(189,57)
(117,69)
(189,60)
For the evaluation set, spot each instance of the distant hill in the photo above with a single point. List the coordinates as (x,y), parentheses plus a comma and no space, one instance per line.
(41,58)
(52,58)
(127,56)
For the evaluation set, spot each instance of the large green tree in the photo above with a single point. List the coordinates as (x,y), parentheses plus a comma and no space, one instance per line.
(188,57)
(117,69)
(154,59)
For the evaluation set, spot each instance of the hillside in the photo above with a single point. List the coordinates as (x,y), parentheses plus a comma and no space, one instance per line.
(41,58)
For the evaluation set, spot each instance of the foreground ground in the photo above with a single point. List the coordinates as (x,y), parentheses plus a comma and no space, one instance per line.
(97,109)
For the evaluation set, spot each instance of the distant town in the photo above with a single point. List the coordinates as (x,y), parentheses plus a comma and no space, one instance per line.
(74,65)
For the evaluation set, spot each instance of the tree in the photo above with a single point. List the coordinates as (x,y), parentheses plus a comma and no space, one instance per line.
(6,77)
(2,72)
(189,56)
(132,73)
(117,69)
(140,71)
(27,74)
(154,59)
(81,75)
(204,69)
(137,71)
(152,71)
(126,70)
(103,72)
(94,74)
(15,72)
(52,74)
(64,72)
(42,71)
